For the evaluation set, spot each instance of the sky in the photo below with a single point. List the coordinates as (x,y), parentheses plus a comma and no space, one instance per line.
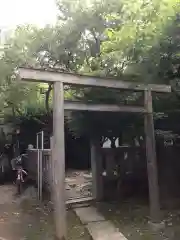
(17,12)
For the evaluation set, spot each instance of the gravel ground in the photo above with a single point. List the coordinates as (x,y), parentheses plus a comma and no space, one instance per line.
(22,218)
(131,218)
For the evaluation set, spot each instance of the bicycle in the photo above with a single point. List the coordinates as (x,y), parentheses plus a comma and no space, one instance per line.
(4,165)
(20,172)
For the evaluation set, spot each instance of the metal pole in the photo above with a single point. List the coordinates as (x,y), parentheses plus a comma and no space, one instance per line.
(37,145)
(52,163)
(38,165)
(41,165)
(38,174)
(39,152)
(40,179)
(42,140)
(40,162)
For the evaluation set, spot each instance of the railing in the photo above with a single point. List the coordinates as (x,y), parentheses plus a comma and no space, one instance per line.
(47,173)
(31,165)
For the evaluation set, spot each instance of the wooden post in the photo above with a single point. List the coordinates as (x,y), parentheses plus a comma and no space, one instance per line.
(151,159)
(110,163)
(96,167)
(59,161)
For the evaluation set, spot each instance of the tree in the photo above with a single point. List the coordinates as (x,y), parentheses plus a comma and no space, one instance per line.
(127,40)
(129,46)
(20,49)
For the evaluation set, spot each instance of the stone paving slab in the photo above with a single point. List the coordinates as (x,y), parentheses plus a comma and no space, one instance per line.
(104,230)
(89,214)
(98,227)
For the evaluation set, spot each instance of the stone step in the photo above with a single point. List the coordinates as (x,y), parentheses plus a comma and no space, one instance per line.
(104,230)
(88,215)
(96,224)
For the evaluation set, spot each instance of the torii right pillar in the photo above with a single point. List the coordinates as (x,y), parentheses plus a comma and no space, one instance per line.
(151,159)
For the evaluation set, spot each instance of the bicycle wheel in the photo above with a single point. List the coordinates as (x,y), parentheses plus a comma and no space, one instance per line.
(19,186)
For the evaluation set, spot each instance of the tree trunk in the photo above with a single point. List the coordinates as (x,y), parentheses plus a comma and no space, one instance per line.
(47,97)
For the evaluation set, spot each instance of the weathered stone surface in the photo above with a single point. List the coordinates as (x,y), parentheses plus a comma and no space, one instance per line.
(89,214)
(98,227)
(156,227)
(104,230)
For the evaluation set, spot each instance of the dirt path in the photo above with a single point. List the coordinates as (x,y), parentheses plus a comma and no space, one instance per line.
(21,219)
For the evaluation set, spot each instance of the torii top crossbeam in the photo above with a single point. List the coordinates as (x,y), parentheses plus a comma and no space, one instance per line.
(37,75)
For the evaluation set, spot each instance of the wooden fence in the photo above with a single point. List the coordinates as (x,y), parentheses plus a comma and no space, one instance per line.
(133,168)
(131,160)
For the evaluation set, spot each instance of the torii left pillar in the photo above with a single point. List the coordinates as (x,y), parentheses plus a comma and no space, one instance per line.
(59,161)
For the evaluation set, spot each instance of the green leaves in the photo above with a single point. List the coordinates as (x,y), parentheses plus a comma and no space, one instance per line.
(135,44)
(128,40)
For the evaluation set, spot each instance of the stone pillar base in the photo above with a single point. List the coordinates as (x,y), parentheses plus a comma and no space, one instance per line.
(158,226)
(56,238)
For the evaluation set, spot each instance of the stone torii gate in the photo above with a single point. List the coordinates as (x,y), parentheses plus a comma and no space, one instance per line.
(59,105)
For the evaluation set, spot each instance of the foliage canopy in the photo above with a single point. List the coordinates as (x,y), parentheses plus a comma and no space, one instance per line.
(129,40)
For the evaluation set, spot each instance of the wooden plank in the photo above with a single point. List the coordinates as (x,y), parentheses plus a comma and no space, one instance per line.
(35,75)
(59,161)
(151,159)
(79,200)
(73,106)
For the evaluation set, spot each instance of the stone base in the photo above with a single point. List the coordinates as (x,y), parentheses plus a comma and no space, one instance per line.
(156,227)
(56,238)
(88,215)
(104,230)
(97,226)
